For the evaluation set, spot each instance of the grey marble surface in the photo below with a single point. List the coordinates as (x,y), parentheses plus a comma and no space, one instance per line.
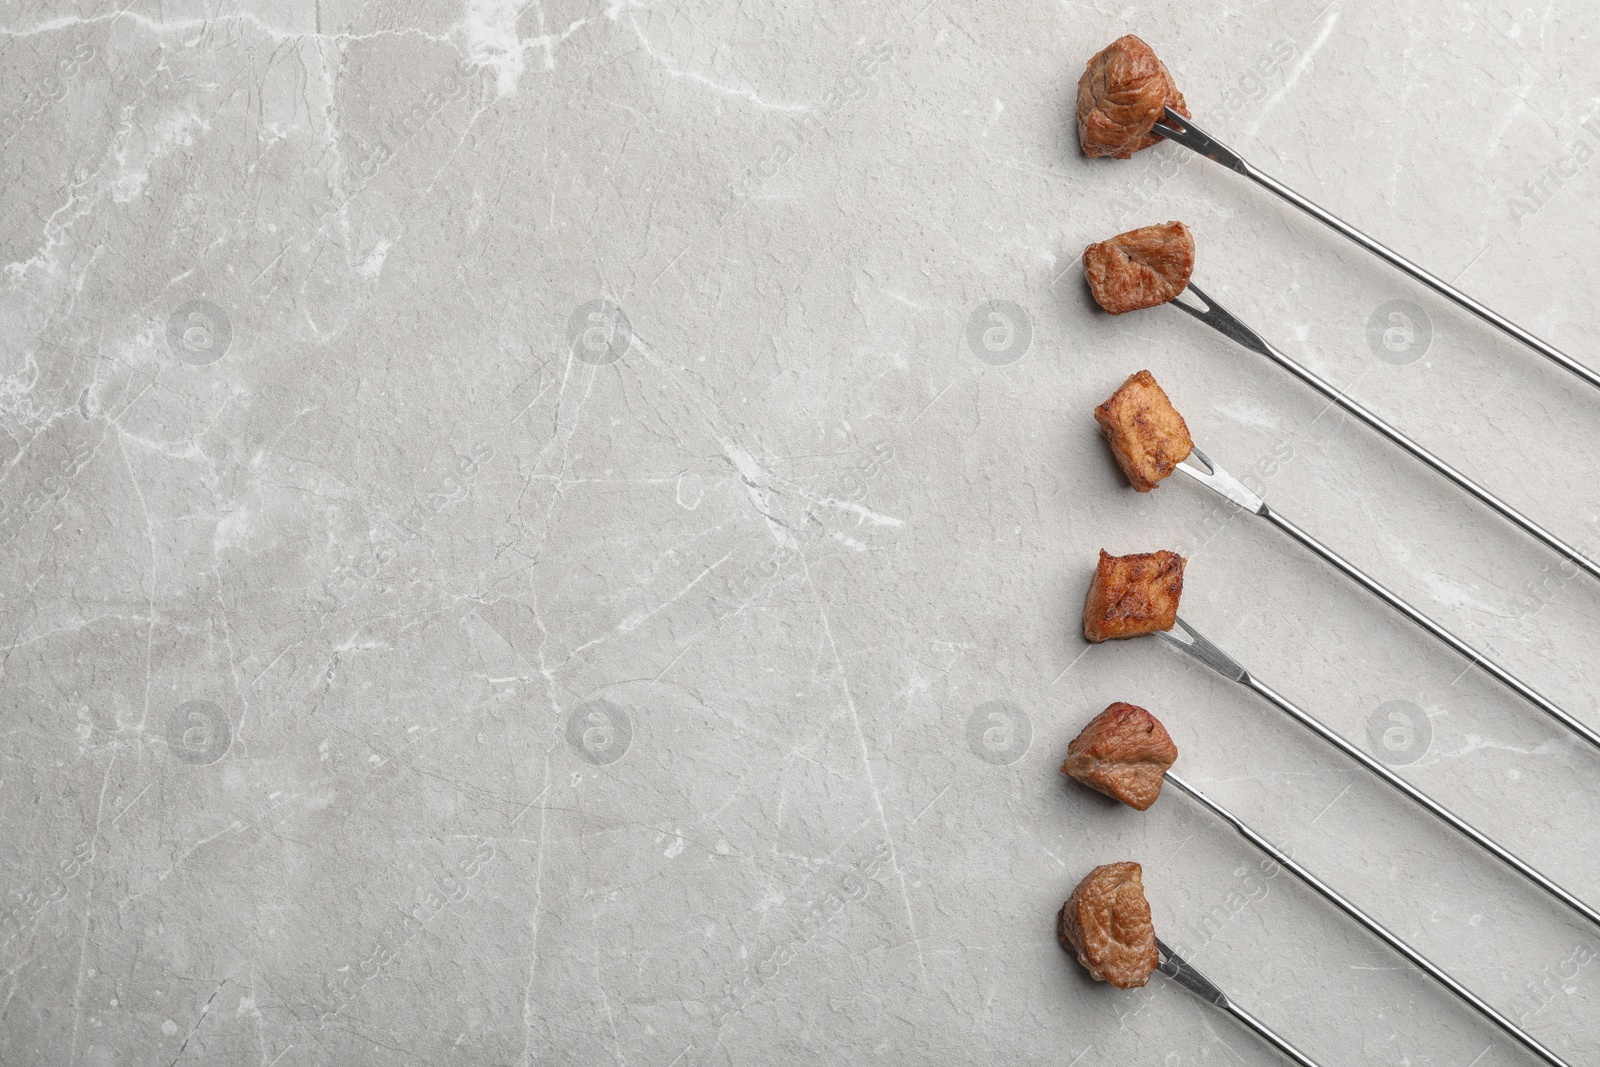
(553,532)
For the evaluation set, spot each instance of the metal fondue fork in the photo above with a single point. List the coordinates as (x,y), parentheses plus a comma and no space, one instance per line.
(1184,131)
(1377,929)
(1219,480)
(1182,971)
(1203,650)
(1221,320)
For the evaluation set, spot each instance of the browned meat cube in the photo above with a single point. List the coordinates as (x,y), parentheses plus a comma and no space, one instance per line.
(1120,97)
(1124,753)
(1133,595)
(1148,436)
(1107,922)
(1142,268)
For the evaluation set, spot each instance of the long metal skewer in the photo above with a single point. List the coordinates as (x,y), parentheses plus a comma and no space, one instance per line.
(1221,320)
(1212,656)
(1183,972)
(1185,132)
(1332,897)
(1219,480)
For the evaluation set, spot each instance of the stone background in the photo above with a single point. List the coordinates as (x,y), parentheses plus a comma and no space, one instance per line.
(553,532)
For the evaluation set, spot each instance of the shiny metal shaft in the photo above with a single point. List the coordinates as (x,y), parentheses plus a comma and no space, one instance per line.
(1203,650)
(1224,483)
(1269,1036)
(1377,929)
(1490,667)
(1185,132)
(1225,323)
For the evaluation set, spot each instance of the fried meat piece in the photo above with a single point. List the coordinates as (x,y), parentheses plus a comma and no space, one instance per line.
(1107,922)
(1142,268)
(1133,595)
(1148,437)
(1120,97)
(1124,753)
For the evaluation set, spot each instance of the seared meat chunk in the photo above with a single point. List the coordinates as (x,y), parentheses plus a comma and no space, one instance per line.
(1124,753)
(1120,97)
(1106,921)
(1148,436)
(1133,595)
(1142,268)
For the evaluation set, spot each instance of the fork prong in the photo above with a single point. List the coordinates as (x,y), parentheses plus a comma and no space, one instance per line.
(1223,321)
(1171,123)
(1216,479)
(1175,127)
(1187,975)
(1193,643)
